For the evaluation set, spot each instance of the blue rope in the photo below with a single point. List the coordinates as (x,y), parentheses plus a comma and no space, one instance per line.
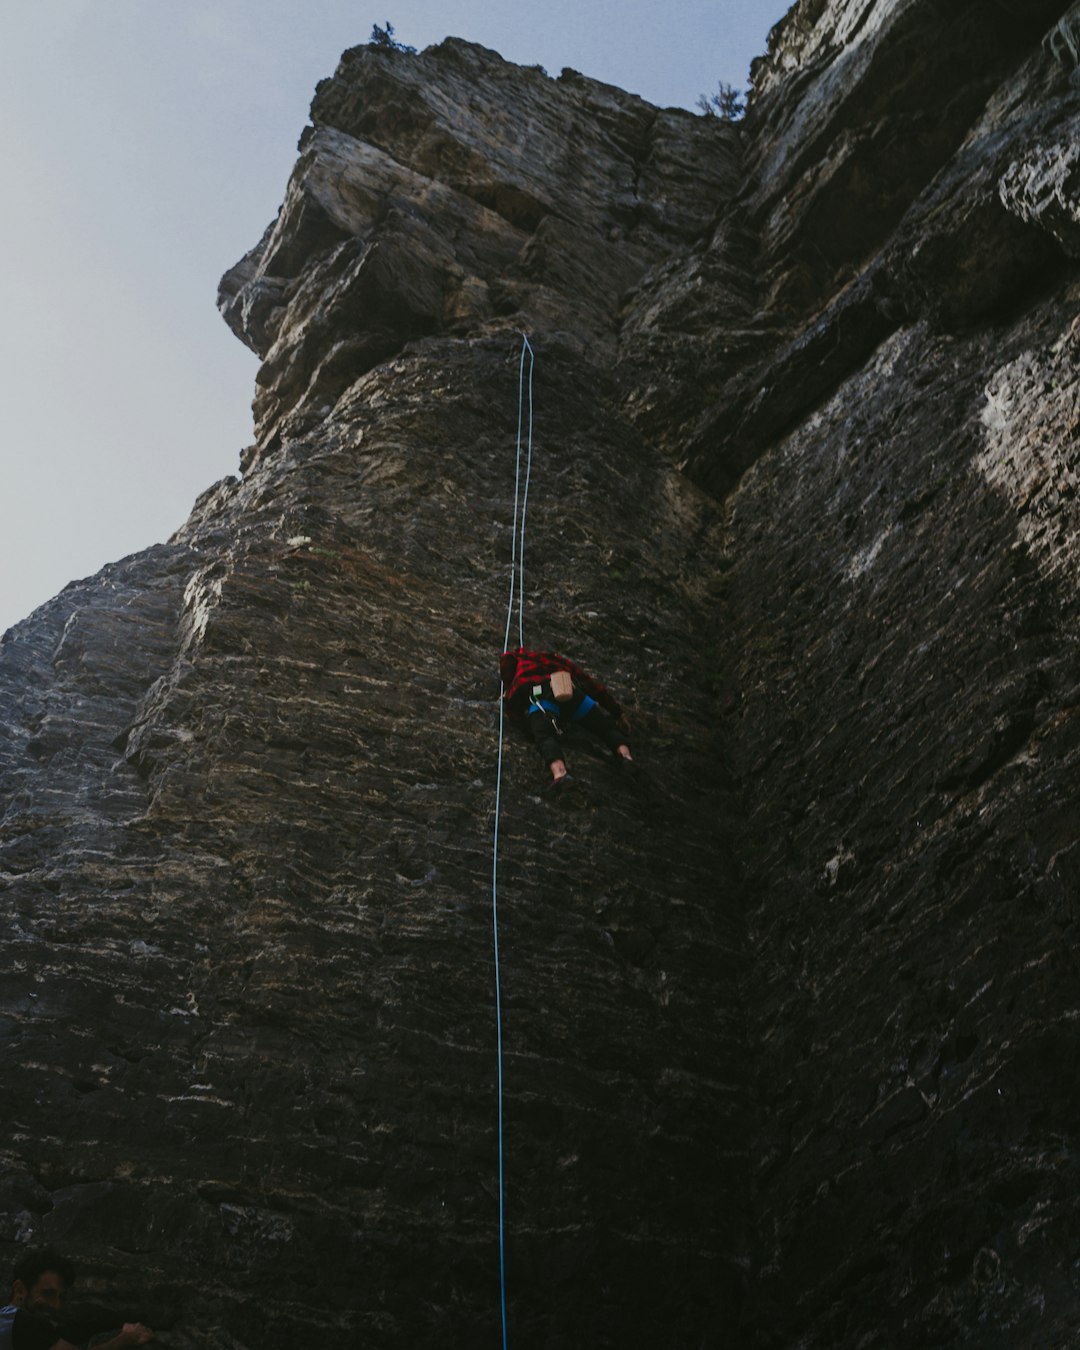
(515,551)
(525,498)
(517,569)
(498,1024)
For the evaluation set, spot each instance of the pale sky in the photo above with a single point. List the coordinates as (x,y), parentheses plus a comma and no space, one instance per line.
(145,145)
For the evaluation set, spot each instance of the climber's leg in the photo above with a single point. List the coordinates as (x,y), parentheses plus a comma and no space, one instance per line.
(601,725)
(543,728)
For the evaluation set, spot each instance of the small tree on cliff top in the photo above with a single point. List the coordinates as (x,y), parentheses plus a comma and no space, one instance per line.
(384,37)
(727,103)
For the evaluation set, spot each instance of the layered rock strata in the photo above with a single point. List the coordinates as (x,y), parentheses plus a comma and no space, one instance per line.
(249,777)
(900,637)
(789,1024)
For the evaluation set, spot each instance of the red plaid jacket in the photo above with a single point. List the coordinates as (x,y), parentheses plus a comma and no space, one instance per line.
(521,669)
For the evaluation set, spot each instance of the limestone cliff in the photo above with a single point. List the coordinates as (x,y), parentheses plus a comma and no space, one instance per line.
(788,1023)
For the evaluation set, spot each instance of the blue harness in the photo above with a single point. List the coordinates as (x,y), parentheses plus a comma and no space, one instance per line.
(546,705)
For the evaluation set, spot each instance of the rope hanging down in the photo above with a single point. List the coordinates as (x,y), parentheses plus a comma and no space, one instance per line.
(517,577)
(517,549)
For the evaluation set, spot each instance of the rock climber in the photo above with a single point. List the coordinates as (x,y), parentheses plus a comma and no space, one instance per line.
(546,692)
(31,1319)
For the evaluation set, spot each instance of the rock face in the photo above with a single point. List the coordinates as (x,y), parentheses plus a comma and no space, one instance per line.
(900,639)
(789,1023)
(250,780)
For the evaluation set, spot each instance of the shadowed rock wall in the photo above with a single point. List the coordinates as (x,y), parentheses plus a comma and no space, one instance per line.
(901,643)
(789,1024)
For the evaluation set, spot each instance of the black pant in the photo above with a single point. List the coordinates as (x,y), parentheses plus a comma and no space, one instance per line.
(597,722)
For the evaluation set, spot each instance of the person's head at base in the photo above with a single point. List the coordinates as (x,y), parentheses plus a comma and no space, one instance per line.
(41,1280)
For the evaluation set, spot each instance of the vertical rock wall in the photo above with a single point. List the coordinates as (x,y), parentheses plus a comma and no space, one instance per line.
(789,1023)
(901,645)
(249,1021)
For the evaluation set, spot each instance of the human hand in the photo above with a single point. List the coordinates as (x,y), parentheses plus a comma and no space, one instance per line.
(134,1333)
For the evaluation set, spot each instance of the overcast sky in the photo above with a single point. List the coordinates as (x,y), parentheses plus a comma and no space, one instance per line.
(145,145)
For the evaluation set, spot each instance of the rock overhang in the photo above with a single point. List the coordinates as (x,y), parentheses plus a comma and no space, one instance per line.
(418,196)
